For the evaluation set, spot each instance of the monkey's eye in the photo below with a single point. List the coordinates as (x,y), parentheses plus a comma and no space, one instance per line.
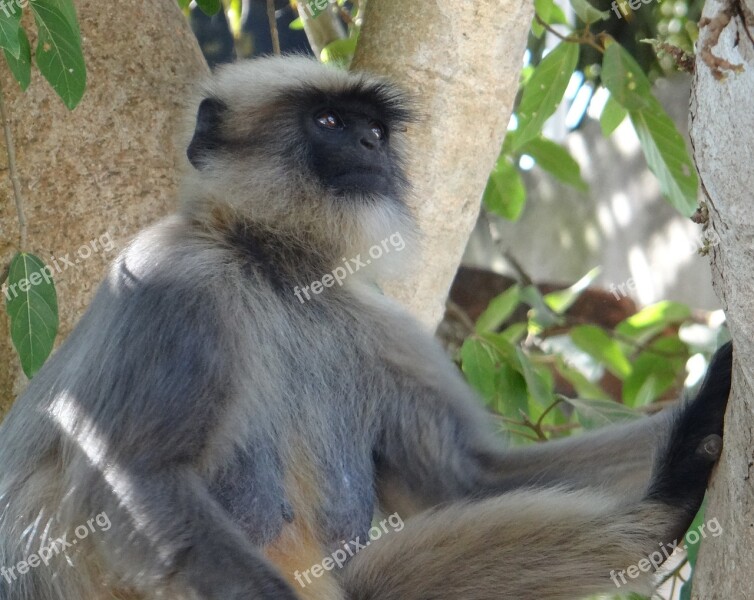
(378,129)
(329,119)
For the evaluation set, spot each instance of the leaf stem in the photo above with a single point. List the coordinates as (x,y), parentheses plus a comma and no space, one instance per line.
(4,274)
(13,171)
(587,37)
(273,27)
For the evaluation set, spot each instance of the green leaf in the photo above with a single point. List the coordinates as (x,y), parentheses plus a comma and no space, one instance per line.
(662,144)
(541,316)
(587,13)
(184,4)
(544,91)
(503,348)
(584,388)
(539,387)
(58,53)
(597,344)
(560,301)
(297,24)
(505,194)
(233,12)
(612,116)
(556,160)
(479,364)
(655,371)
(651,320)
(498,310)
(32,305)
(67,9)
(514,333)
(550,13)
(209,7)
(598,413)
(10,28)
(21,66)
(667,157)
(512,394)
(339,51)
(492,375)
(624,79)
(651,377)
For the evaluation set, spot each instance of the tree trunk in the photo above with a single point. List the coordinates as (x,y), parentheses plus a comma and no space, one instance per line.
(722,133)
(105,170)
(462,63)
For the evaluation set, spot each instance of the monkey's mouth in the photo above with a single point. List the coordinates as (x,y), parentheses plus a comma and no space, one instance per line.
(365,180)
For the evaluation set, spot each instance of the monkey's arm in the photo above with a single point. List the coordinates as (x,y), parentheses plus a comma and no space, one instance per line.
(154,384)
(467,460)
(440,447)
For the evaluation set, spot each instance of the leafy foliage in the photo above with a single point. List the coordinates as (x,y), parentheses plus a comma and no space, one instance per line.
(505,194)
(660,140)
(544,91)
(58,54)
(208,7)
(31,300)
(549,376)
(543,87)
(32,305)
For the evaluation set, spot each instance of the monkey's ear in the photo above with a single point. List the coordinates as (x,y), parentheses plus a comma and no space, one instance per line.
(207,132)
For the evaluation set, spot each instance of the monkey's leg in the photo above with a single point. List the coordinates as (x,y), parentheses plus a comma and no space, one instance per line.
(552,544)
(170,534)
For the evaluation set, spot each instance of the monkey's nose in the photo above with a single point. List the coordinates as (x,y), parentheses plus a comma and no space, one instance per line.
(369,145)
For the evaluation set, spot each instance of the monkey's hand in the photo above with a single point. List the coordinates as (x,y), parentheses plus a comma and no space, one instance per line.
(217,572)
(695,441)
(240,576)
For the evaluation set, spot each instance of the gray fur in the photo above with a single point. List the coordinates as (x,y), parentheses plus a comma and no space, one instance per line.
(232,433)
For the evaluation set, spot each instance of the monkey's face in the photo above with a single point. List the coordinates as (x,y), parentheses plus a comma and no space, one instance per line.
(349,147)
(298,146)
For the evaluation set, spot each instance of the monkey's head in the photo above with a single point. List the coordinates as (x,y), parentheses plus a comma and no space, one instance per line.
(300,149)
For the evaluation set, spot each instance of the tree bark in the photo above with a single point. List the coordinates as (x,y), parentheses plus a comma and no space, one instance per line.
(462,64)
(722,133)
(108,167)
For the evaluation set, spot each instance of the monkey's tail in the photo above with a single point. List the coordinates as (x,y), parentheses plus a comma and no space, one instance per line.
(545,544)
(553,544)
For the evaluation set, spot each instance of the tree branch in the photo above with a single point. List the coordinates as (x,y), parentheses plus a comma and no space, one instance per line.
(273,26)
(13,172)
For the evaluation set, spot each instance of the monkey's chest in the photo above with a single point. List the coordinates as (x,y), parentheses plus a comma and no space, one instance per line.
(323,485)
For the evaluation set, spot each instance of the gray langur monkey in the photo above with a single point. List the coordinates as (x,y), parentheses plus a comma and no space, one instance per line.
(236,431)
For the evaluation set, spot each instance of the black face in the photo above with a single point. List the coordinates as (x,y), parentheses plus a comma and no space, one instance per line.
(346,136)
(350,148)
